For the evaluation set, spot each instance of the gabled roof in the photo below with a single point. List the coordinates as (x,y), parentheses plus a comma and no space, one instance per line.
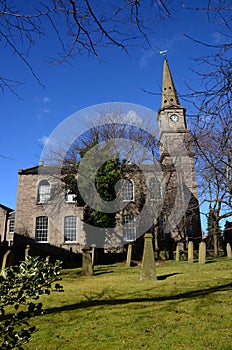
(4,207)
(41,169)
(32,170)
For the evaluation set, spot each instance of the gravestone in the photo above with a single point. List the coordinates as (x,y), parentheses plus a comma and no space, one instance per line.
(190,252)
(148,262)
(177,253)
(87,266)
(93,253)
(202,253)
(27,249)
(228,251)
(8,259)
(129,252)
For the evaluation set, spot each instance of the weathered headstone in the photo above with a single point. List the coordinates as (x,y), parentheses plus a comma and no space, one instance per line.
(228,251)
(148,262)
(87,266)
(190,252)
(129,252)
(27,249)
(177,253)
(8,259)
(93,253)
(202,253)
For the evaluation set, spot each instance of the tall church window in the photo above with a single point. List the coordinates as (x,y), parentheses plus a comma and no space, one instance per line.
(44,191)
(154,189)
(41,230)
(129,228)
(128,190)
(70,229)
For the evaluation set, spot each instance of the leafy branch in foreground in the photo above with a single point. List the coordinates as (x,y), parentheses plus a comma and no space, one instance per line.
(20,287)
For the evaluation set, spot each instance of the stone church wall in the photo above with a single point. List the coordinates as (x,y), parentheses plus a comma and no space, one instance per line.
(28,208)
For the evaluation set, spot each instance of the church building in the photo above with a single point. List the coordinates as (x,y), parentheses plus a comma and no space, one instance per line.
(178,220)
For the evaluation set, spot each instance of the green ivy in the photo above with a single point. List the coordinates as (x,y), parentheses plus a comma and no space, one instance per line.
(21,287)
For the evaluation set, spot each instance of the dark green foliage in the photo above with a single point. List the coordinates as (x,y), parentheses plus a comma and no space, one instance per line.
(20,287)
(105,180)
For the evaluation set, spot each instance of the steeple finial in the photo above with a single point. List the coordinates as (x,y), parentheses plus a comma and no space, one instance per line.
(169,95)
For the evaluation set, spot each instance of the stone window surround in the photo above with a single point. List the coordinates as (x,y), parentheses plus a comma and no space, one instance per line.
(71,228)
(44,191)
(128,191)
(41,229)
(129,227)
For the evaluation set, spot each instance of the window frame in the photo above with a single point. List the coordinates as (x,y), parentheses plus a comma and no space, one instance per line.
(10,226)
(125,190)
(46,194)
(157,189)
(70,229)
(129,228)
(69,195)
(39,231)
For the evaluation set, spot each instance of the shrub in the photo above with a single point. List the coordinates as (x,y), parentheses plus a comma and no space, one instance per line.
(21,287)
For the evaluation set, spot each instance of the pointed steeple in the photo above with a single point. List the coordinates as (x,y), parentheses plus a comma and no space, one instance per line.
(169,95)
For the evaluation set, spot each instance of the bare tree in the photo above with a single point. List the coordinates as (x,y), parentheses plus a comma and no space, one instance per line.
(214,165)
(213,126)
(77,27)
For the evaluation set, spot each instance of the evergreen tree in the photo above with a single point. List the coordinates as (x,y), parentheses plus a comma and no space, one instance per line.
(104,182)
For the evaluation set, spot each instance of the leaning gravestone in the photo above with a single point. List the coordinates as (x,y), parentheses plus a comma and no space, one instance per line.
(228,251)
(87,266)
(93,253)
(8,259)
(129,252)
(202,253)
(27,249)
(190,252)
(148,262)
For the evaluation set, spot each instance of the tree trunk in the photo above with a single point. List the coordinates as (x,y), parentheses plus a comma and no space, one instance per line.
(215,244)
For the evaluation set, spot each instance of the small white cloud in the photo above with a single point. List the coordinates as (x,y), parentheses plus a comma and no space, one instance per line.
(44,140)
(46,99)
(146,57)
(217,37)
(45,110)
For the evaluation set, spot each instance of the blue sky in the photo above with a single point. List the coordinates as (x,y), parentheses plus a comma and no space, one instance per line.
(26,122)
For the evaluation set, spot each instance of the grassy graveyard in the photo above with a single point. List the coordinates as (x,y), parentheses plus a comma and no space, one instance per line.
(187,307)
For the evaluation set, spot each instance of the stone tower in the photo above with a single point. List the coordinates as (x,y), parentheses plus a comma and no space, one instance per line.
(180,216)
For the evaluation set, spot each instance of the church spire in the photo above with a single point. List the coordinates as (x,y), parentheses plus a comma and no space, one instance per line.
(169,95)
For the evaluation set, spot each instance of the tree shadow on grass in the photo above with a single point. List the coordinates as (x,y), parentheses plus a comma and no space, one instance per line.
(102,302)
(164,277)
(210,261)
(98,272)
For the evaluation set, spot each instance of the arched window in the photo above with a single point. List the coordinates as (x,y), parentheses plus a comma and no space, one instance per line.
(129,228)
(41,229)
(44,191)
(154,189)
(128,190)
(70,229)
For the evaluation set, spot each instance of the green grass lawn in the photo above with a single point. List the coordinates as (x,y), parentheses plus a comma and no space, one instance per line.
(188,307)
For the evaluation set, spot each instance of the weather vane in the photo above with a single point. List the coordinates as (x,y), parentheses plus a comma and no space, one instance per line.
(164,53)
